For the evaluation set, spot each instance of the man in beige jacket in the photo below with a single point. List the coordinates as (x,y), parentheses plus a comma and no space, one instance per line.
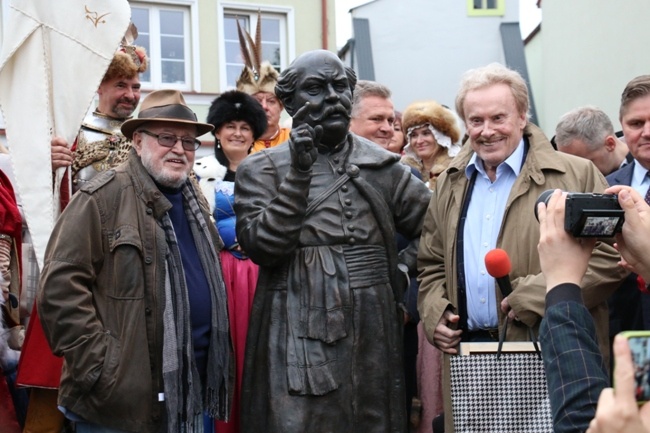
(493,185)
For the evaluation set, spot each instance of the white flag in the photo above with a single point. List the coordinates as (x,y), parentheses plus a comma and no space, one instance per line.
(54,56)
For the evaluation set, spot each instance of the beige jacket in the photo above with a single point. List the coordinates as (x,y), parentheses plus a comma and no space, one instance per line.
(428,177)
(543,169)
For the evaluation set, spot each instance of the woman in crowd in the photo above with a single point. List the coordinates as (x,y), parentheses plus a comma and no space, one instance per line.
(238,121)
(432,134)
(398,141)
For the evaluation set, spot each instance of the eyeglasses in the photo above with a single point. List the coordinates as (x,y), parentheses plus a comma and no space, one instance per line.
(169,140)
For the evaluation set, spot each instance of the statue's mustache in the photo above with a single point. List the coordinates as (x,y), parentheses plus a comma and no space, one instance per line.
(328,111)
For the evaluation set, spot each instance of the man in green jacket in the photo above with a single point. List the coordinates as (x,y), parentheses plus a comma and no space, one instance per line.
(486,200)
(132,294)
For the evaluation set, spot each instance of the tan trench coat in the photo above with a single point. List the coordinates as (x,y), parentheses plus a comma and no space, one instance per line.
(543,169)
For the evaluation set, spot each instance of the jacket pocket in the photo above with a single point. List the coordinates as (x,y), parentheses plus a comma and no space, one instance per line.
(123,387)
(94,358)
(126,255)
(107,375)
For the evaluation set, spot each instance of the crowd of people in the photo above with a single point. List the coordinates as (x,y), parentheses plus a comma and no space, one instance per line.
(320,277)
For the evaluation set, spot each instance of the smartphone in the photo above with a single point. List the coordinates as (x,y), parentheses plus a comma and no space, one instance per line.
(639,342)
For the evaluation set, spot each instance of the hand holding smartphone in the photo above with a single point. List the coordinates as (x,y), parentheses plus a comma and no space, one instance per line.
(639,342)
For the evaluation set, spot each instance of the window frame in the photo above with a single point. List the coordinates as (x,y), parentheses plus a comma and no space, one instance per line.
(250,10)
(191,48)
(500,10)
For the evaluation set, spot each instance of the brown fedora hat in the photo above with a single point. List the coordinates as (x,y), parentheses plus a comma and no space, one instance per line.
(164,106)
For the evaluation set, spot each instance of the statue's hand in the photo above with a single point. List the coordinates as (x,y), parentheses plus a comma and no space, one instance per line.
(304,141)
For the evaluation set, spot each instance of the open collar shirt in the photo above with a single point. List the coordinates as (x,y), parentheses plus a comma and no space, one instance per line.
(640,180)
(484,217)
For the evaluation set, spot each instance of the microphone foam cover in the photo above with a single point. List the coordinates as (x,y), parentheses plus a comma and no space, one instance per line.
(498,263)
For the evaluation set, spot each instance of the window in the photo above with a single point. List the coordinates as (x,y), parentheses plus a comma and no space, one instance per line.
(164,32)
(486,7)
(275,37)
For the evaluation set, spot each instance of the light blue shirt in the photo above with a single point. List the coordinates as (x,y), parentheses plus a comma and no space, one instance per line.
(640,182)
(484,218)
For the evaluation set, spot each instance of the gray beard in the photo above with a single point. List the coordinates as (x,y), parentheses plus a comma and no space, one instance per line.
(161,178)
(122,113)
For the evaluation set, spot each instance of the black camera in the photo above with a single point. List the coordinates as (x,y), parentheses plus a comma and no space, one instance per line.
(589,215)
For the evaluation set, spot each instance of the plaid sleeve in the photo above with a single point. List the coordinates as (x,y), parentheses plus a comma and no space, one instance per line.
(575,372)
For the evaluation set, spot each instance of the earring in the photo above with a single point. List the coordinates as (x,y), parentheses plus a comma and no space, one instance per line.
(218,144)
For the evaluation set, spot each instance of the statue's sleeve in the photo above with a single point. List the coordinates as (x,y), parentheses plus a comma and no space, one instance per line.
(410,202)
(270,206)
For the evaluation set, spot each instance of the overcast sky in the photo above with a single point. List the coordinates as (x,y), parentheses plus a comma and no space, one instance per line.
(529,16)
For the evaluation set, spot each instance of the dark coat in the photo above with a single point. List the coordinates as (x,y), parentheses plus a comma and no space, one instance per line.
(324,347)
(622,176)
(629,309)
(101,299)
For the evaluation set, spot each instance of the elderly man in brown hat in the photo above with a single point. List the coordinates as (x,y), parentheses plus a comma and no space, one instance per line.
(132,294)
(99,146)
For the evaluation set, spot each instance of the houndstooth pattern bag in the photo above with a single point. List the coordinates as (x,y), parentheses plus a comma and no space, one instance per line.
(500,388)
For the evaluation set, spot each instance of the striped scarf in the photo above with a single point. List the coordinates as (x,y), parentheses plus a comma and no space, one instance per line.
(185,400)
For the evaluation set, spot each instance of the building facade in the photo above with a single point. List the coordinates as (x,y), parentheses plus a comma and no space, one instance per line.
(193,44)
(584,53)
(420,48)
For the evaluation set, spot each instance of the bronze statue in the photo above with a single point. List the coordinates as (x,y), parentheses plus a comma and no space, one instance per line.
(319,215)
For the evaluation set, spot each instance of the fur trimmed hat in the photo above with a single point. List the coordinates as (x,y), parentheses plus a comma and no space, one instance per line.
(127,62)
(253,82)
(441,118)
(236,105)
(257,76)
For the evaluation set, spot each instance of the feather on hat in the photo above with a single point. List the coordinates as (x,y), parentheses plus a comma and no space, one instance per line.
(129,60)
(257,76)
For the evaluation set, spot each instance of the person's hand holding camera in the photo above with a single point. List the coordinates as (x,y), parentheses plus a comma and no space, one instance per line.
(563,258)
(634,241)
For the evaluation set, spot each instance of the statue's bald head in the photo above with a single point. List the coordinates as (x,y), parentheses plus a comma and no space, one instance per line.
(303,66)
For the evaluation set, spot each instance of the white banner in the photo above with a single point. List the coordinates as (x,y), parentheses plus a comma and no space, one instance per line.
(54,55)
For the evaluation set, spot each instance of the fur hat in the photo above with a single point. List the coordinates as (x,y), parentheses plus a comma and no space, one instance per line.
(164,106)
(129,60)
(257,76)
(127,65)
(253,82)
(236,105)
(436,115)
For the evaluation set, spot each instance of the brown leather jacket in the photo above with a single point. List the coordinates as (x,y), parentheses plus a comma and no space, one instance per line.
(101,299)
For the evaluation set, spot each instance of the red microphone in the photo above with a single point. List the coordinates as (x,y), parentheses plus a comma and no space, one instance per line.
(498,266)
